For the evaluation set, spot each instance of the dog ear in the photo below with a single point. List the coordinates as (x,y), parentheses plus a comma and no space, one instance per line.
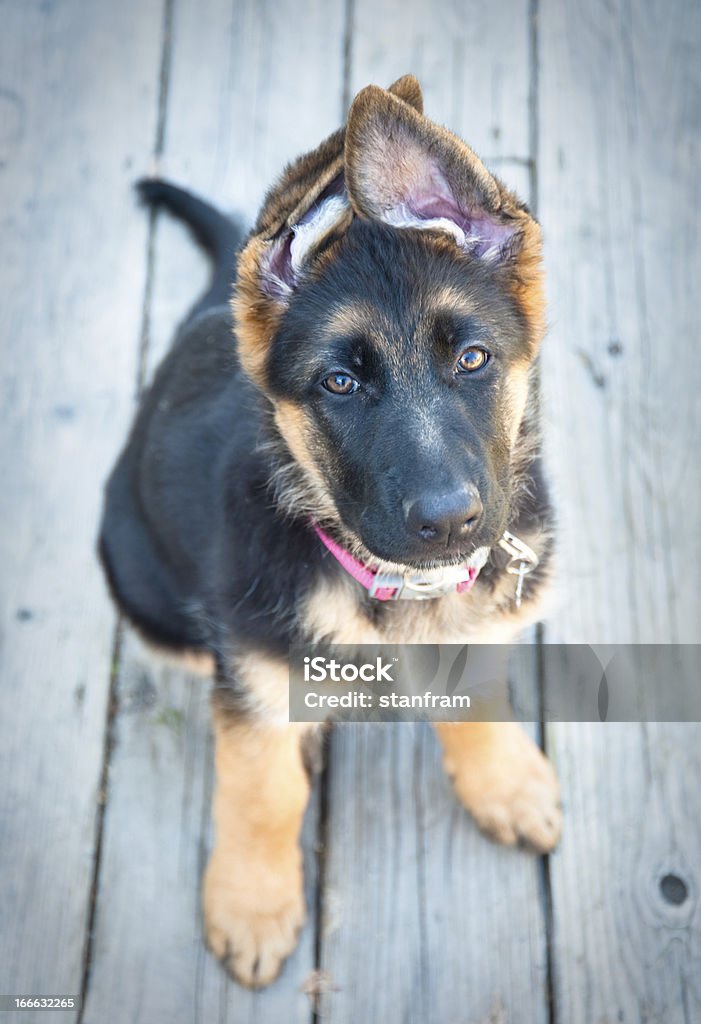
(408,172)
(309,175)
(273,261)
(283,261)
(408,90)
(321,208)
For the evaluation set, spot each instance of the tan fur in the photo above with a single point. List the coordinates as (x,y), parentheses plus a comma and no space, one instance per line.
(198,662)
(293,423)
(256,315)
(360,317)
(253,901)
(333,613)
(527,285)
(452,299)
(266,684)
(306,489)
(504,781)
(517,381)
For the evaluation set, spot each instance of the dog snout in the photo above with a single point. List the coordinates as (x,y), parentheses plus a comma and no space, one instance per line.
(445,518)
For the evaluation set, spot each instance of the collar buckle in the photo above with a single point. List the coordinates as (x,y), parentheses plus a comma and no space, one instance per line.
(386,581)
(418,587)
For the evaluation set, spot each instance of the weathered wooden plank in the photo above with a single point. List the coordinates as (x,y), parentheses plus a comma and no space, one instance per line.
(619,122)
(622,950)
(247,92)
(619,126)
(472,59)
(424,919)
(77,103)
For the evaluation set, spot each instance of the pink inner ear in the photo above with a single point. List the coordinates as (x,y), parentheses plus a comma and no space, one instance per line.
(282,264)
(483,235)
(428,201)
(276,268)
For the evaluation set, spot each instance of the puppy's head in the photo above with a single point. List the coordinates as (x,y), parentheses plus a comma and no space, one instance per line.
(390,304)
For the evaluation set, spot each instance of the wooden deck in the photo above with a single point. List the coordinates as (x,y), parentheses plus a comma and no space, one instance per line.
(592,110)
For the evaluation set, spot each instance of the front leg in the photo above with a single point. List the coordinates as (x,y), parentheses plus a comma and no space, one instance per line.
(253,898)
(505,782)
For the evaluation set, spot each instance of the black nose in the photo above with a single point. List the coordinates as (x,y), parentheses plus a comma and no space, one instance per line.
(445,518)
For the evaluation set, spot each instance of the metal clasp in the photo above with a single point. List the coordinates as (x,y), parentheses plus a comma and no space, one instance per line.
(522,561)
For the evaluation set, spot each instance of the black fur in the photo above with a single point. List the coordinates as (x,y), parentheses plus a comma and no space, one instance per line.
(195,552)
(219,236)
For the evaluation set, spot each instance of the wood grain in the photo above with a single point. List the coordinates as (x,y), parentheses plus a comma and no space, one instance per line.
(617,168)
(472,60)
(77,105)
(619,126)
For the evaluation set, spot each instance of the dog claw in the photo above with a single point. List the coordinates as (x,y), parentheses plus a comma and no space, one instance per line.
(251,940)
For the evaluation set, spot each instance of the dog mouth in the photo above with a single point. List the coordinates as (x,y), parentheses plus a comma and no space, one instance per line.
(434,565)
(390,553)
(389,580)
(388,542)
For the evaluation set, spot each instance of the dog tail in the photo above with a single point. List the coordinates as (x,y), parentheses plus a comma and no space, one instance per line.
(219,236)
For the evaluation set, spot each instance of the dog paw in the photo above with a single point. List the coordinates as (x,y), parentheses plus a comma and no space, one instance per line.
(251,923)
(511,790)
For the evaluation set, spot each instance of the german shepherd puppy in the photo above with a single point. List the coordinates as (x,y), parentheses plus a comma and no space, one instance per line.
(362,407)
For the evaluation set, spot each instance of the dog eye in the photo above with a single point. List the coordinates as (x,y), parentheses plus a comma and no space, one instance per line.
(472,359)
(340,384)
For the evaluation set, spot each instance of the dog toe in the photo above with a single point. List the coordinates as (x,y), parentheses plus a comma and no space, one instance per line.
(252,940)
(512,792)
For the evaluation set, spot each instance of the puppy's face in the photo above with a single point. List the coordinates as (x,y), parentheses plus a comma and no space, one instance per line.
(393,324)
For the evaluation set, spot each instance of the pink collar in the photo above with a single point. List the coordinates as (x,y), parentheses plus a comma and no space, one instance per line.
(416,586)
